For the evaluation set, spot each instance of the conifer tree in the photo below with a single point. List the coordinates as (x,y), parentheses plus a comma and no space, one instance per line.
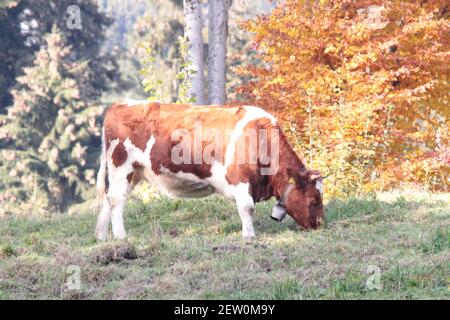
(49,139)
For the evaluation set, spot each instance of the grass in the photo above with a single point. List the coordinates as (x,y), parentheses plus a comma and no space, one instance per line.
(193,249)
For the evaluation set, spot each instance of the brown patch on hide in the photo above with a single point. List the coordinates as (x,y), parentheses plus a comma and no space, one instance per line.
(119,155)
(130,177)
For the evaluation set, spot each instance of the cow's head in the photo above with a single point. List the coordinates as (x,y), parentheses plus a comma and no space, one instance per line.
(303,200)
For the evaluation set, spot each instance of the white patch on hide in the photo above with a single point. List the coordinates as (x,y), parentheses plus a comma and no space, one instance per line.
(319,186)
(131,102)
(118,175)
(251,113)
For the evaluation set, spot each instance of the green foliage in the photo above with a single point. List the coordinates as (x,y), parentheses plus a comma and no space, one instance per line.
(155,87)
(162,49)
(183,73)
(24,23)
(154,42)
(151,84)
(50,136)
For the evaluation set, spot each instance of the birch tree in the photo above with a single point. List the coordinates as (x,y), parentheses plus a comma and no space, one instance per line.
(193,33)
(217,49)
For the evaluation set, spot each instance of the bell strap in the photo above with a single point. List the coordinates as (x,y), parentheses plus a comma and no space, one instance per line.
(285,194)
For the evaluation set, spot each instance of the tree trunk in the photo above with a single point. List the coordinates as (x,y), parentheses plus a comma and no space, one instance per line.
(217,49)
(193,33)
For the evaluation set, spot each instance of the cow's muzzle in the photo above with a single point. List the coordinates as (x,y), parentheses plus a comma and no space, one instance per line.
(278,213)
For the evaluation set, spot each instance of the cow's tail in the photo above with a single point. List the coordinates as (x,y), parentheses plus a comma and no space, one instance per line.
(102,176)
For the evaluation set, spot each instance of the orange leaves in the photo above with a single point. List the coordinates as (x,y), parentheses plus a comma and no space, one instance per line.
(374,77)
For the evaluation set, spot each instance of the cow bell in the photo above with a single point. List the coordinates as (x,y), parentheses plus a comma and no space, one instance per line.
(278,213)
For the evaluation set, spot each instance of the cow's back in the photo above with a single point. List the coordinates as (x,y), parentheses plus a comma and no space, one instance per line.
(142,136)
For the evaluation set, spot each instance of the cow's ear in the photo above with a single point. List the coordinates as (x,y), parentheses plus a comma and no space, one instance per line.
(298,177)
(314,175)
(303,178)
(291,173)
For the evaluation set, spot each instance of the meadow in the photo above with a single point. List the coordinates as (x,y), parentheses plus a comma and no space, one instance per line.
(193,249)
(364,99)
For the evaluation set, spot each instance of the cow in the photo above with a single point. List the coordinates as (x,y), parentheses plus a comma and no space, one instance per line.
(191,151)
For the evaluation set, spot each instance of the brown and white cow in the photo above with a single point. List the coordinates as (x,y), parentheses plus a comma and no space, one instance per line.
(194,151)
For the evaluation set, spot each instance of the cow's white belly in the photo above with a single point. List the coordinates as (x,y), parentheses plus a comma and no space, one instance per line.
(180,185)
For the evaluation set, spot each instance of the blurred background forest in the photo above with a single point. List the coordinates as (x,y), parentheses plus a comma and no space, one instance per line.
(362,87)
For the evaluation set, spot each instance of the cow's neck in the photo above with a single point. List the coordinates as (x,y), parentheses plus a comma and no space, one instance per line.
(288,158)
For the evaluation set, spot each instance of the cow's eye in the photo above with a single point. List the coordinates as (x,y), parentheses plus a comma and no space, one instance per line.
(314,202)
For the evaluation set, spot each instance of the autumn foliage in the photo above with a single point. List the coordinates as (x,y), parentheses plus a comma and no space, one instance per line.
(363,87)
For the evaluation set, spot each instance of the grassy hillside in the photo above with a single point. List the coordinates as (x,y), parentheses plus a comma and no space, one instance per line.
(194,249)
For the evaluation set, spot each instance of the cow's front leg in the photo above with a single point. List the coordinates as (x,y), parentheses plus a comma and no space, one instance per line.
(246,208)
(117,196)
(101,229)
(118,227)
